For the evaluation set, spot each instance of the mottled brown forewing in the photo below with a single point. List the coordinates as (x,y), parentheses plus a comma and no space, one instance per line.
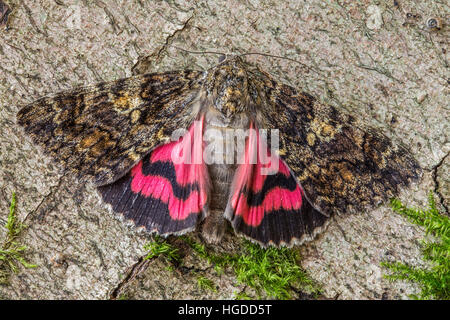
(342,164)
(101,131)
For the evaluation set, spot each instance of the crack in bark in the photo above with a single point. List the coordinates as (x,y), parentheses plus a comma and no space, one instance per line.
(142,264)
(157,55)
(135,269)
(32,21)
(172,35)
(336,223)
(436,183)
(53,189)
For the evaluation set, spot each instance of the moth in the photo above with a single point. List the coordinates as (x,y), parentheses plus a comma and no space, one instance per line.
(119,135)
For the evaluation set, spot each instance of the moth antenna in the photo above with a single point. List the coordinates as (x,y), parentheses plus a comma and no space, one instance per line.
(279,57)
(224,56)
(202,52)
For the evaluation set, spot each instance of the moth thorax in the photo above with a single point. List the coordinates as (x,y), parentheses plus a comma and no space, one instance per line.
(228,88)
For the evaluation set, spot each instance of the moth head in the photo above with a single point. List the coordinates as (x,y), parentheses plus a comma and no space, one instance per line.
(227,86)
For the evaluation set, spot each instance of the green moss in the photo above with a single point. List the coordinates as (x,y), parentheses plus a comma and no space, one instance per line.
(434,281)
(170,268)
(160,247)
(123,296)
(11,252)
(273,271)
(218,261)
(242,296)
(276,272)
(205,284)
